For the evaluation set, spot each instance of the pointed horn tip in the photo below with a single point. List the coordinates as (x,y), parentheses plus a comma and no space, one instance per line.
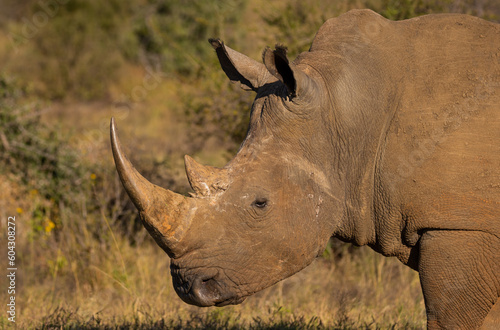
(115,142)
(112,127)
(192,166)
(189,161)
(123,166)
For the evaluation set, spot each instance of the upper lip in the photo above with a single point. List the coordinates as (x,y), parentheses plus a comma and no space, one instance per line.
(211,289)
(196,287)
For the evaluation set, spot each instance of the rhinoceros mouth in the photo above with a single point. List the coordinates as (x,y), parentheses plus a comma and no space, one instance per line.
(203,290)
(232,301)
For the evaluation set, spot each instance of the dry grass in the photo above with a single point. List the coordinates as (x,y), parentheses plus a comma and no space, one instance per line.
(126,285)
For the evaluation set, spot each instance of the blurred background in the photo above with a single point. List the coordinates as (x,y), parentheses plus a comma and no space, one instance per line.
(83,258)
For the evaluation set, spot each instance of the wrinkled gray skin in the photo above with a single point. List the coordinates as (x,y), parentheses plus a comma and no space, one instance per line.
(384,134)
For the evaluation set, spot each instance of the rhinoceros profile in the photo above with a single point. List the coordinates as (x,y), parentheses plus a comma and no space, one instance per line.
(384,134)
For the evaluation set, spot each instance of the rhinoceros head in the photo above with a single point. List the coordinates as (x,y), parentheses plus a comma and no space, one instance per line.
(260,218)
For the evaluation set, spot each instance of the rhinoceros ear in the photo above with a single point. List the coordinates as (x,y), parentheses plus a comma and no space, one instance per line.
(238,67)
(205,180)
(297,82)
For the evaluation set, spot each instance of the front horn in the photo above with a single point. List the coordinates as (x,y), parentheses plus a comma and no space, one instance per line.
(165,214)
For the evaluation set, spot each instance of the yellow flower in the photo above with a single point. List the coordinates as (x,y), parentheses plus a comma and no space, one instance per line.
(50,225)
(33,192)
(93,176)
(19,210)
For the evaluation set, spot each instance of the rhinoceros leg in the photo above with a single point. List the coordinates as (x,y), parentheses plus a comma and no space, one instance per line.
(460,277)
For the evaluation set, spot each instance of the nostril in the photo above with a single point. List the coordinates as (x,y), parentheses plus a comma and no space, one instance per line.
(204,285)
(206,291)
(203,290)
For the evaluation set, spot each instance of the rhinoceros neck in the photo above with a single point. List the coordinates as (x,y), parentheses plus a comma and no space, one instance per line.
(411,109)
(363,88)
(361,151)
(361,109)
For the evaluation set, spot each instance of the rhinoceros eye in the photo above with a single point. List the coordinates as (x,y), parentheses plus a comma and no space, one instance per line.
(260,203)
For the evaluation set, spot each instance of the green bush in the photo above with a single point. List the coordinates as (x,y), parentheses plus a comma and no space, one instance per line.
(74,49)
(217,111)
(176,31)
(298,22)
(404,9)
(36,156)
